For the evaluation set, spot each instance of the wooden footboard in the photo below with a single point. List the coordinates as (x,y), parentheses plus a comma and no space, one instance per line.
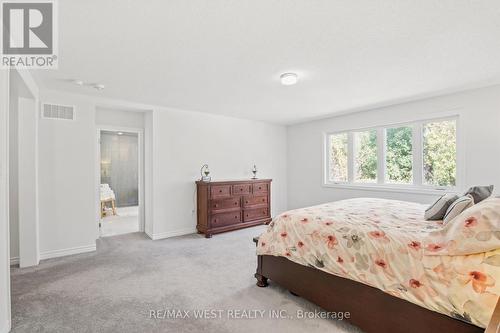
(494,325)
(370,309)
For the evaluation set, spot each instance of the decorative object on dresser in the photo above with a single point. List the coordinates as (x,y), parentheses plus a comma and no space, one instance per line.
(205,172)
(232,205)
(254,171)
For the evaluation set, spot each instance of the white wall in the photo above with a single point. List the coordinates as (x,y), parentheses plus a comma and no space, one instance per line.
(121,118)
(28,182)
(179,143)
(13,169)
(184,141)
(4,205)
(148,173)
(479,121)
(23,199)
(67,155)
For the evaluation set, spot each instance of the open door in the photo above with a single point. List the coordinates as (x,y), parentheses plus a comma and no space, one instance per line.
(119,188)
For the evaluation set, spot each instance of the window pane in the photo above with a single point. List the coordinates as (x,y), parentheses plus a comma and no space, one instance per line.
(338,157)
(399,155)
(365,157)
(440,153)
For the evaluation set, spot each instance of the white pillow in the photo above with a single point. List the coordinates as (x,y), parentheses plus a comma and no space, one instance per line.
(457,207)
(438,210)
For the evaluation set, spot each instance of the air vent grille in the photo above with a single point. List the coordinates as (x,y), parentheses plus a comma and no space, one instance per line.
(53,111)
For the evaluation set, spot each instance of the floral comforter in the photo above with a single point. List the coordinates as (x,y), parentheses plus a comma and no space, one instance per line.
(452,269)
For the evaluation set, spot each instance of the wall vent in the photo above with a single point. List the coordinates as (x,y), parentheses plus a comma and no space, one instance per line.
(54,111)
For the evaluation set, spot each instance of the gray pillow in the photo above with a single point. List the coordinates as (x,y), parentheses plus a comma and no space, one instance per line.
(458,207)
(479,193)
(438,209)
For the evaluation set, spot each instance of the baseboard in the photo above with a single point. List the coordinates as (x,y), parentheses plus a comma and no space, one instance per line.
(67,252)
(173,233)
(150,235)
(58,253)
(5,327)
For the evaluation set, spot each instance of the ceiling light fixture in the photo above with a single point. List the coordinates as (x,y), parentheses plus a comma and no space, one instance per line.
(289,79)
(99,86)
(78,82)
(120,133)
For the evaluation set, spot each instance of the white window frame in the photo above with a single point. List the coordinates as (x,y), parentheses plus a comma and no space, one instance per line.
(417,146)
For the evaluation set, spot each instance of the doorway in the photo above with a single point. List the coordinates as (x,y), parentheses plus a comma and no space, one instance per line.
(120,185)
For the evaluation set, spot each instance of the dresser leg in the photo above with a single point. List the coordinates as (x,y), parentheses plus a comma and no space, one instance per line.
(208,235)
(261,280)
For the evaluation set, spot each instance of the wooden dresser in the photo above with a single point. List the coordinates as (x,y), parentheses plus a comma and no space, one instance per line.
(231,205)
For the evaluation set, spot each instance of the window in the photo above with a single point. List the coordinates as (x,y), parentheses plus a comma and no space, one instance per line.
(338,158)
(399,155)
(365,156)
(440,153)
(420,154)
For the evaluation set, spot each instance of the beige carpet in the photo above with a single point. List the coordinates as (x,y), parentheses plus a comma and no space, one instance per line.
(116,288)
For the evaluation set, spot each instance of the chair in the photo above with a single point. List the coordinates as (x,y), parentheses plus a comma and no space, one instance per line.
(107,196)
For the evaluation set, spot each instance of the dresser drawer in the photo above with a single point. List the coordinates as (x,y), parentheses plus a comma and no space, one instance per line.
(220,191)
(255,214)
(220,220)
(232,204)
(255,201)
(223,204)
(260,187)
(241,189)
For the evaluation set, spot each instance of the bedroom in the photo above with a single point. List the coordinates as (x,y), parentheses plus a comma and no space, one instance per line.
(369,107)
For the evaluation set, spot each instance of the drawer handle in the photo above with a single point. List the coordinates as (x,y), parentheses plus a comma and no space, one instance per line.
(263,200)
(236,203)
(246,201)
(260,188)
(216,205)
(235,217)
(247,215)
(215,220)
(241,189)
(220,191)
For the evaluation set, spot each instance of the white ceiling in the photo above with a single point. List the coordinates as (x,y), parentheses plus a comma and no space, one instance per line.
(225,57)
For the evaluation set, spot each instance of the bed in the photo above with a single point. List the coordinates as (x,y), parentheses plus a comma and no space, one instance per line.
(383,263)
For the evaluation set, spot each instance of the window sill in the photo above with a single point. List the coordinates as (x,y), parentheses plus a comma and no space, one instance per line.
(392,188)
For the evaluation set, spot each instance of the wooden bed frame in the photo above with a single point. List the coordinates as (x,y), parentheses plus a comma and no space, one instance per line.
(370,309)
